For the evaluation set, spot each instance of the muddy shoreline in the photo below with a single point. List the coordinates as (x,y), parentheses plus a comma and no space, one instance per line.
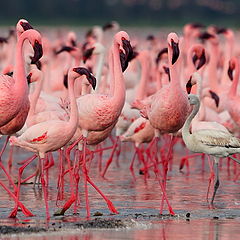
(116,221)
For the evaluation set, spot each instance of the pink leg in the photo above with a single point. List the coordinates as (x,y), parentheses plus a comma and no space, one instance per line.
(165,170)
(211,178)
(45,190)
(109,203)
(25,211)
(110,158)
(84,169)
(20,171)
(4,146)
(10,158)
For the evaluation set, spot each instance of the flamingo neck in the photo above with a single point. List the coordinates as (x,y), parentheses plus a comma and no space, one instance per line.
(99,69)
(212,66)
(119,84)
(35,96)
(19,74)
(141,88)
(233,89)
(228,54)
(186,126)
(73,120)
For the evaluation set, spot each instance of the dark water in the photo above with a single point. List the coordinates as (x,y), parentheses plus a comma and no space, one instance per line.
(137,200)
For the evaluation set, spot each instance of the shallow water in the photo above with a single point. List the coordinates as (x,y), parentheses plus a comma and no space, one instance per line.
(137,200)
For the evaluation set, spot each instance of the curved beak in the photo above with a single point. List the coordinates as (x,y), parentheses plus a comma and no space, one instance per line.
(65,80)
(230,72)
(176,51)
(38,52)
(166,70)
(202,60)
(215,97)
(26,26)
(29,78)
(65,49)
(189,85)
(126,57)
(83,71)
(87,54)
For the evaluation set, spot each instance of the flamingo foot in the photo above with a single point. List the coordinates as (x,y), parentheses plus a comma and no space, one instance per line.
(66,206)
(13,213)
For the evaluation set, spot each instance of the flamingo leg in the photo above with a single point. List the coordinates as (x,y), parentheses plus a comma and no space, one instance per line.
(109,203)
(25,211)
(20,171)
(165,170)
(216,160)
(211,175)
(110,158)
(43,182)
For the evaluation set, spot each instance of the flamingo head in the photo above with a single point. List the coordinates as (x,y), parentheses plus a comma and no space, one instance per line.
(87,54)
(199,57)
(160,54)
(23,25)
(215,97)
(173,42)
(84,71)
(189,85)
(232,65)
(113,25)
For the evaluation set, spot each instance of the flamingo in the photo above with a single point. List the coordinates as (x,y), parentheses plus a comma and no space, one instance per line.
(98,112)
(168,107)
(233,98)
(213,142)
(47,136)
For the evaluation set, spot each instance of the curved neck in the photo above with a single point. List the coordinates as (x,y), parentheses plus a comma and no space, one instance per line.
(141,88)
(186,126)
(228,54)
(212,66)
(99,68)
(73,120)
(233,89)
(35,95)
(173,68)
(19,74)
(119,84)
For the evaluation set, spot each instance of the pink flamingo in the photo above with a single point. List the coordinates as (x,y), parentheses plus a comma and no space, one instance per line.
(15,89)
(233,98)
(98,112)
(167,111)
(47,136)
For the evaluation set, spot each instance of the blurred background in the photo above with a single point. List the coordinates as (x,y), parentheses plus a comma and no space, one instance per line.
(126,12)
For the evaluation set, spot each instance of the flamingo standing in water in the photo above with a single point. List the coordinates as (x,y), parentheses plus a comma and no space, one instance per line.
(98,112)
(169,107)
(14,102)
(47,136)
(210,141)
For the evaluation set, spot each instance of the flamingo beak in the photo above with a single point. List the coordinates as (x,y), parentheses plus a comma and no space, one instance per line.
(26,26)
(176,51)
(189,85)
(38,52)
(166,70)
(83,71)
(65,80)
(65,48)
(87,54)
(215,97)
(230,72)
(202,60)
(29,78)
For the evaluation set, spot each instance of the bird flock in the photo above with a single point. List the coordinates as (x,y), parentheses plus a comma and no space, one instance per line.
(58,93)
